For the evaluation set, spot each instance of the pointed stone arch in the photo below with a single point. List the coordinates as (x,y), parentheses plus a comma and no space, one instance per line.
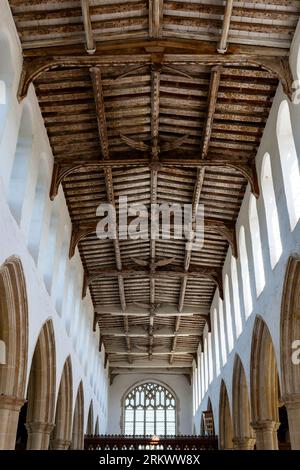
(78,419)
(90,421)
(14,348)
(242,430)
(225,422)
(207,420)
(41,390)
(290,347)
(62,433)
(97,427)
(264,387)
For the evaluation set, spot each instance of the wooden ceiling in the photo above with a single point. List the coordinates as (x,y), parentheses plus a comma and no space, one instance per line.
(159,101)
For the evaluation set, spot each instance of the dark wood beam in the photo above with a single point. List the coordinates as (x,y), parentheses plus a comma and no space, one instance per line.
(155,18)
(194,271)
(88,30)
(155,95)
(244,167)
(212,102)
(102,129)
(135,53)
(165,332)
(222,47)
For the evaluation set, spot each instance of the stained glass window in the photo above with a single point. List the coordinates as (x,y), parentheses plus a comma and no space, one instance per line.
(150,409)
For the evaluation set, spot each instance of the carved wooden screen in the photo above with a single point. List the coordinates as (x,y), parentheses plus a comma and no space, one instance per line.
(150,409)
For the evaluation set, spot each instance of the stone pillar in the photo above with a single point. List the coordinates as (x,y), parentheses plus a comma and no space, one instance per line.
(292,403)
(9,416)
(38,435)
(266,434)
(61,444)
(243,443)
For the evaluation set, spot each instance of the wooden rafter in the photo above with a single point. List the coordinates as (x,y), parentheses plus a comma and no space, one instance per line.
(241,165)
(155,18)
(211,107)
(212,102)
(192,271)
(222,47)
(224,228)
(155,85)
(88,30)
(166,332)
(274,61)
(163,310)
(102,128)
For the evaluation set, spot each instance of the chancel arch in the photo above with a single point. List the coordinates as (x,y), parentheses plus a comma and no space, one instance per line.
(242,431)
(14,341)
(225,422)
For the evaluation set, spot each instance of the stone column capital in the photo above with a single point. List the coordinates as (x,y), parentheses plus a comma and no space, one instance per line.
(61,444)
(245,442)
(11,402)
(265,425)
(39,427)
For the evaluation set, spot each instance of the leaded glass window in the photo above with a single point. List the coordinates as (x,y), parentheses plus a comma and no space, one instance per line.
(150,409)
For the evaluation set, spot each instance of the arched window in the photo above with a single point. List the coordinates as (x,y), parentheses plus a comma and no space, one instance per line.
(49,255)
(275,246)
(289,163)
(60,278)
(199,379)
(69,304)
(256,246)
(245,273)
(228,314)
(236,298)
(6,79)
(205,363)
(215,330)
(150,409)
(210,359)
(37,217)
(19,175)
(202,375)
(222,333)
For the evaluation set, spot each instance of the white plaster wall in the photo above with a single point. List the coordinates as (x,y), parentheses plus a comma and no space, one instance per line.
(178,384)
(13,241)
(268,304)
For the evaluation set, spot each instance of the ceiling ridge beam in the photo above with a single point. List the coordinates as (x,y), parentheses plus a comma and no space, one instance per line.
(88,30)
(155,18)
(102,128)
(223,44)
(155,95)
